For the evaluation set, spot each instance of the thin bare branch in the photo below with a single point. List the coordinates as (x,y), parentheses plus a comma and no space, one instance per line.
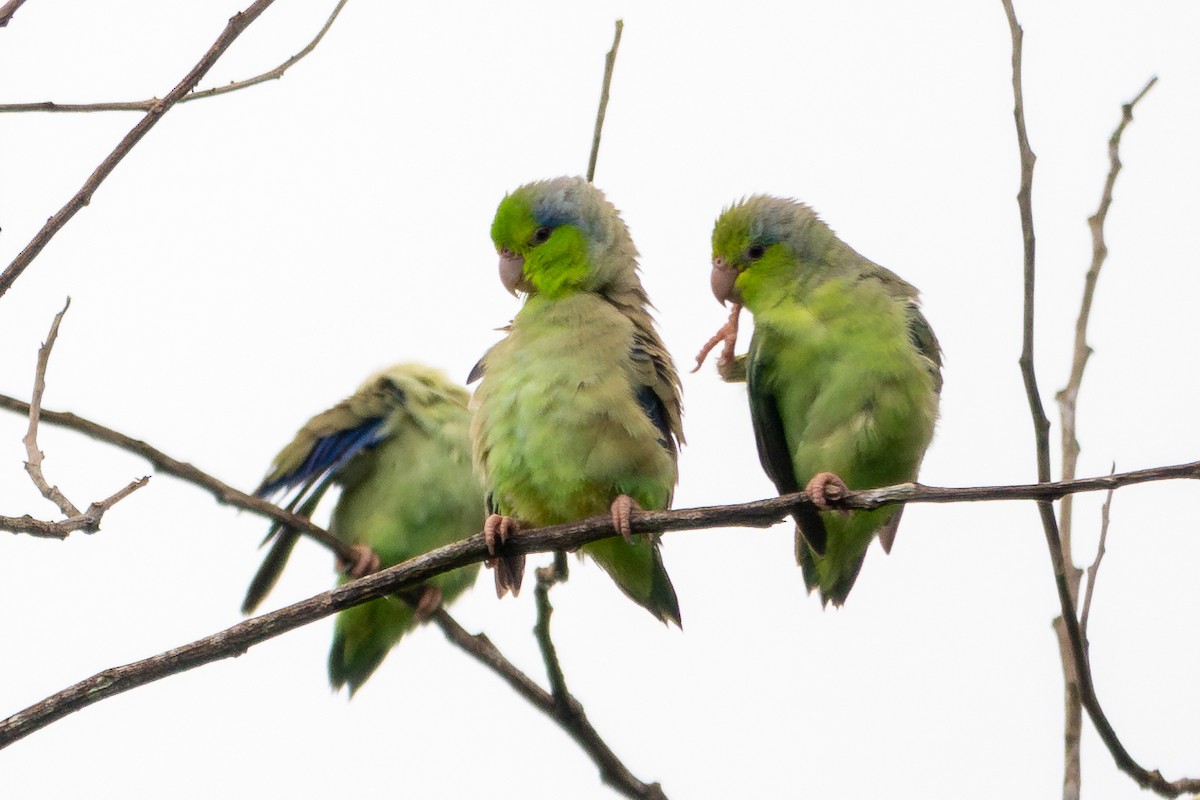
(223,492)
(1065,577)
(1147,779)
(1068,396)
(146,105)
(76,520)
(237,23)
(564,709)
(1067,399)
(609,61)
(1095,567)
(1072,715)
(547,577)
(33,463)
(8,10)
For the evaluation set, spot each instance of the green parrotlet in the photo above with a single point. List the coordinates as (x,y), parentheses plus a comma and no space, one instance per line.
(400,450)
(578,412)
(843,374)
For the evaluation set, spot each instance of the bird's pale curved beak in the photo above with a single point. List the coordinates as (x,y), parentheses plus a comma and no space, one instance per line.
(512,272)
(723,277)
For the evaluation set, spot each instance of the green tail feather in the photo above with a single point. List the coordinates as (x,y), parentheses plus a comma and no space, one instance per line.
(362,637)
(834,587)
(638,570)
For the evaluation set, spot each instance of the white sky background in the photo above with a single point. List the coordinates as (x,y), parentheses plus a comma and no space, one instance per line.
(258,254)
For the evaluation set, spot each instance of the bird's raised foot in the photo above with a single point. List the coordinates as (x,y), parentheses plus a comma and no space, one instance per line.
(622,515)
(826,486)
(510,569)
(429,601)
(726,335)
(365,562)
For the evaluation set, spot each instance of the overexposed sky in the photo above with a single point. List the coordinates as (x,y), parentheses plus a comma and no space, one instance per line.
(260,253)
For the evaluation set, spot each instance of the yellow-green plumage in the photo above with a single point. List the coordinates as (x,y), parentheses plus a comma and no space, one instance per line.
(843,372)
(579,403)
(400,450)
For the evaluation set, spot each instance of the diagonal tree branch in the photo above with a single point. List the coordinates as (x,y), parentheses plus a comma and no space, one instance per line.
(760,514)
(1147,779)
(8,10)
(146,105)
(1067,399)
(564,709)
(559,705)
(223,492)
(237,23)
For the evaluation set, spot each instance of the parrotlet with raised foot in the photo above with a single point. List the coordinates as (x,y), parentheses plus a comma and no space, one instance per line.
(400,450)
(843,374)
(578,412)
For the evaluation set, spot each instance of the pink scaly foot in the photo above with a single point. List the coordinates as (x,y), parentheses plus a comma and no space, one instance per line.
(622,515)
(365,562)
(826,486)
(510,569)
(497,527)
(727,335)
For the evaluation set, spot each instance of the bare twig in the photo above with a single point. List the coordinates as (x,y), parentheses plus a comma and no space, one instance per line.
(1070,621)
(86,521)
(609,61)
(1068,396)
(146,105)
(1095,567)
(237,23)
(7,10)
(1067,399)
(76,520)
(33,464)
(223,492)
(547,577)
(563,709)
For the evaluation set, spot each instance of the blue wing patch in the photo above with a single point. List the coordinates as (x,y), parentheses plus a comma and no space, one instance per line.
(328,455)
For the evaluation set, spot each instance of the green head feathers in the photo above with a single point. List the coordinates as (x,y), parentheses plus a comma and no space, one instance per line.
(415,383)
(561,236)
(763,244)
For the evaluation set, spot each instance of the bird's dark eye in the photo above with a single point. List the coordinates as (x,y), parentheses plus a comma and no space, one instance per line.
(541,234)
(755,252)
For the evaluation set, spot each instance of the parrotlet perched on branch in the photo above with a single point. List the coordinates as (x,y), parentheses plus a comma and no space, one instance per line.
(843,374)
(400,450)
(578,412)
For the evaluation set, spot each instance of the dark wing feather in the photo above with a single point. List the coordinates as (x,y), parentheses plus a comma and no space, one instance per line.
(657,392)
(774,453)
(308,483)
(285,539)
(652,406)
(922,338)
